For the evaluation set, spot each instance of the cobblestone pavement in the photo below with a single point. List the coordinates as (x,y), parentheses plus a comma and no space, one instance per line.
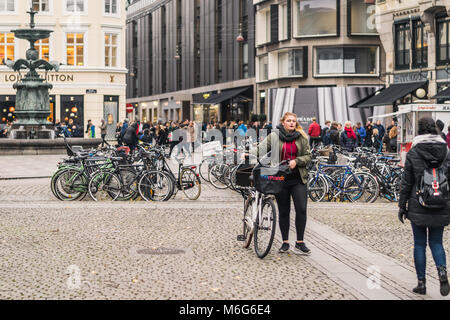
(45,243)
(377,227)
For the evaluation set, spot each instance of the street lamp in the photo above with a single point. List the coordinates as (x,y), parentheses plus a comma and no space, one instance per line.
(240,37)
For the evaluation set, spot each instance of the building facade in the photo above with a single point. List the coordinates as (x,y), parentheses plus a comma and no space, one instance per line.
(88,40)
(191,59)
(313,45)
(415,35)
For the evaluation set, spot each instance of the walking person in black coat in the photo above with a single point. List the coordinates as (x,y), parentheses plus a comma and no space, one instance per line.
(428,151)
(130,137)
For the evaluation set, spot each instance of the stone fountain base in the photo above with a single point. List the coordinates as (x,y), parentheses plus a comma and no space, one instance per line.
(31,132)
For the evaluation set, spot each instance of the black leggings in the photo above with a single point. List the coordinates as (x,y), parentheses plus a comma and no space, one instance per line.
(300,196)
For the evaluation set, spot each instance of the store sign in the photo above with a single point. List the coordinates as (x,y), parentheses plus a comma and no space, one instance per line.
(410,77)
(91,91)
(13,77)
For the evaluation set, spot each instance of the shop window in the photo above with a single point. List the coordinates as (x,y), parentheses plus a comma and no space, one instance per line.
(111,6)
(347,60)
(72,113)
(7,6)
(316,18)
(43,47)
(75,49)
(110,50)
(361,17)
(7,47)
(40,5)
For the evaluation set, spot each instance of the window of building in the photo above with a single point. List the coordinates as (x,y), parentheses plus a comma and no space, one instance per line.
(43,47)
(316,18)
(402,46)
(420,45)
(283,21)
(7,47)
(111,6)
(361,17)
(347,60)
(40,5)
(264,68)
(75,49)
(290,63)
(442,40)
(245,61)
(110,50)
(263,30)
(7,6)
(75,6)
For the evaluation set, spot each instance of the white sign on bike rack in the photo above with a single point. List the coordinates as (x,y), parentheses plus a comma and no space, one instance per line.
(211,148)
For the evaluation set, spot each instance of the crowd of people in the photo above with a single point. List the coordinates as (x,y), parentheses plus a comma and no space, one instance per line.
(349,136)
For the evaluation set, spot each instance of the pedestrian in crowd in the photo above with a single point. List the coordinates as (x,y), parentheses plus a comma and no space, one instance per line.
(118,131)
(334,134)
(124,129)
(268,127)
(326,137)
(146,137)
(448,137)
(174,137)
(184,142)
(381,130)
(293,145)
(361,133)
(387,140)
(428,151)
(440,125)
(393,133)
(90,130)
(377,143)
(103,132)
(130,138)
(314,133)
(242,129)
(191,135)
(349,141)
(368,142)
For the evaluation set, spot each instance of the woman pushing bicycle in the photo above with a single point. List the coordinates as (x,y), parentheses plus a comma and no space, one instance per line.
(293,146)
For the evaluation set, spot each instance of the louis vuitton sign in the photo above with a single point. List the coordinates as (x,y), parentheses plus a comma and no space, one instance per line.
(13,77)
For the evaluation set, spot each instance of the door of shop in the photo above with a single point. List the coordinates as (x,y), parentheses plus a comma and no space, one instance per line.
(72,113)
(111,115)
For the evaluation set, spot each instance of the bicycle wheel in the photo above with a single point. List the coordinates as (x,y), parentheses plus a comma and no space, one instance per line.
(247,223)
(70,185)
(190,184)
(317,188)
(264,231)
(105,186)
(130,184)
(203,169)
(156,186)
(361,187)
(216,176)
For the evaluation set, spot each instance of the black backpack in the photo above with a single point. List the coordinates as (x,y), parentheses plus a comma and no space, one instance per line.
(433,189)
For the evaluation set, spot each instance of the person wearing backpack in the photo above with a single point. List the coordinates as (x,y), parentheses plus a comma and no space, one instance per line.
(424,200)
(326,134)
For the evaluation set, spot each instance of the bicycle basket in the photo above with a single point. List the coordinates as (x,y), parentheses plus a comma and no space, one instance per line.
(243,173)
(270,180)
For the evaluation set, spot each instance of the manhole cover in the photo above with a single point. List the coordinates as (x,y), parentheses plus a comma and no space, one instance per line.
(160,251)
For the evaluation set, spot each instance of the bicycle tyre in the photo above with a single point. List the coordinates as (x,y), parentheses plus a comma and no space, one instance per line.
(64,187)
(154,180)
(365,181)
(216,178)
(188,181)
(317,188)
(264,250)
(246,228)
(104,185)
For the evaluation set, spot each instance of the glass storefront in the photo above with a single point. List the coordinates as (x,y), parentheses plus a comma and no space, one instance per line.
(7,108)
(72,113)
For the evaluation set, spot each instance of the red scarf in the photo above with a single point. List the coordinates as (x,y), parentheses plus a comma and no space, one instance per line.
(350,133)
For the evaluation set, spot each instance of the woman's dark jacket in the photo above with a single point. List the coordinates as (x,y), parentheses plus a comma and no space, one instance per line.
(130,137)
(429,151)
(348,143)
(334,135)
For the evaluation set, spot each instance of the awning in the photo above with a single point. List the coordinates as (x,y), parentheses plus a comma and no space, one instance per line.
(219,97)
(388,96)
(444,94)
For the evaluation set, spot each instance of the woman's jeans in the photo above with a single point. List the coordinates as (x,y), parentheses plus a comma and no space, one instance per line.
(435,236)
(299,194)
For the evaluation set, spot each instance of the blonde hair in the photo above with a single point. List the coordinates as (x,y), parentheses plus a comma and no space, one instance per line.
(298,128)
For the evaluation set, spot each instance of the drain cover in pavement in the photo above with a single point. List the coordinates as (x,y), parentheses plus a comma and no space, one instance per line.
(160,251)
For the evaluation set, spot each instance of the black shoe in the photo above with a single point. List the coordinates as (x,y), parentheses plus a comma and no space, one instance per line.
(443,279)
(301,248)
(284,248)
(421,288)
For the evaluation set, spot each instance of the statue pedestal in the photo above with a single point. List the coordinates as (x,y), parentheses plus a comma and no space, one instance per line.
(33,132)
